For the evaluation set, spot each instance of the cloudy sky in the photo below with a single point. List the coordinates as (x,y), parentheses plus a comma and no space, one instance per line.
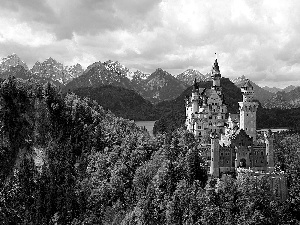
(256,38)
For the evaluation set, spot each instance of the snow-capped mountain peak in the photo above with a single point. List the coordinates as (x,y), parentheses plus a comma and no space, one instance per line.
(11,60)
(189,76)
(50,69)
(238,80)
(118,68)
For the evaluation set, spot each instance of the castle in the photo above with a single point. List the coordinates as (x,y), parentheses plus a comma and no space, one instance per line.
(233,140)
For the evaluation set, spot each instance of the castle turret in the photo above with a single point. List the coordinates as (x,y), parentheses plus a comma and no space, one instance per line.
(214,162)
(248,110)
(216,76)
(195,97)
(269,141)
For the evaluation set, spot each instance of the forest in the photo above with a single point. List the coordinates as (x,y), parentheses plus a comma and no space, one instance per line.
(66,160)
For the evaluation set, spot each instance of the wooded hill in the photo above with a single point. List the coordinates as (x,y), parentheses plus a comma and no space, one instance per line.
(66,160)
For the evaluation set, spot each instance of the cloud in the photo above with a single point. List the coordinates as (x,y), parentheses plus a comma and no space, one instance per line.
(256,38)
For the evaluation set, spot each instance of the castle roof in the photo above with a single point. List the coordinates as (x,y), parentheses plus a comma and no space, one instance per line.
(216,67)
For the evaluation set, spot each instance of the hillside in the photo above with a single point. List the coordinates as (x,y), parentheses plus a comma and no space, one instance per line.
(285,100)
(66,160)
(278,117)
(161,85)
(120,101)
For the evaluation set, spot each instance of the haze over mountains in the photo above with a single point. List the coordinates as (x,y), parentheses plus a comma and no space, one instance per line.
(276,89)
(156,87)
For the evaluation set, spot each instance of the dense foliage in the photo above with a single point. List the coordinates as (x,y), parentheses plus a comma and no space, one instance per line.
(122,102)
(276,117)
(65,160)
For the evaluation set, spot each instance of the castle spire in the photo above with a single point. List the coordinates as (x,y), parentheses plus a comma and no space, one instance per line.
(216,76)
(195,85)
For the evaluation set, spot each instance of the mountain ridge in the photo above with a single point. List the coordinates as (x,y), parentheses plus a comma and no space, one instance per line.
(285,100)
(156,87)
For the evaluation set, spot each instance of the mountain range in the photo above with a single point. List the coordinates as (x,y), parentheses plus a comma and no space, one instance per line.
(276,89)
(155,87)
(49,70)
(285,100)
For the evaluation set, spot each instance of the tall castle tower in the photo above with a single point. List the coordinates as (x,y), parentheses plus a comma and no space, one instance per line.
(269,140)
(248,110)
(195,107)
(214,164)
(195,98)
(216,76)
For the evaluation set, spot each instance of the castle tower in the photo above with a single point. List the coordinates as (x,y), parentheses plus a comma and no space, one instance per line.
(269,141)
(195,98)
(216,76)
(248,110)
(195,107)
(214,162)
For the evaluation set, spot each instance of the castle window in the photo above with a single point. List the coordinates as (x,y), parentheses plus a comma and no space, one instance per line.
(212,159)
(255,160)
(227,162)
(262,153)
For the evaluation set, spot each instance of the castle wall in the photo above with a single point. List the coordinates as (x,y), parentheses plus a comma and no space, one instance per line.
(226,157)
(258,157)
